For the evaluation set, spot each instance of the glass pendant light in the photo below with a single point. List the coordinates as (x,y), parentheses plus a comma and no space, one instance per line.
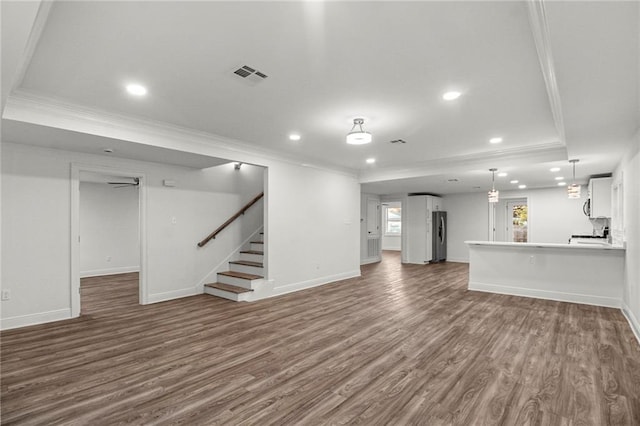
(573,190)
(493,194)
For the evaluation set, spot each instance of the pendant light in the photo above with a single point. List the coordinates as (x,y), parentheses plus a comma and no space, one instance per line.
(573,190)
(358,136)
(493,194)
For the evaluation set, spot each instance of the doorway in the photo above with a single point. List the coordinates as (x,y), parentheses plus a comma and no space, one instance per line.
(512,220)
(391,228)
(517,218)
(107,234)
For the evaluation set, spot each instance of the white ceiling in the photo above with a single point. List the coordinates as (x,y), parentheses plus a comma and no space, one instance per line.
(329,62)
(49,137)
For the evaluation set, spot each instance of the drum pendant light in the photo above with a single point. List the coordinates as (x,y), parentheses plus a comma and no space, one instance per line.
(357,136)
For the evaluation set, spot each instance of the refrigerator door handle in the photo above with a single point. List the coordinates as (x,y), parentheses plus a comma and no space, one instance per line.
(443,230)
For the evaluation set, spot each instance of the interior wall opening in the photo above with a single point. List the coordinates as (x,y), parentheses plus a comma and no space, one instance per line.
(391,227)
(107,239)
(109,245)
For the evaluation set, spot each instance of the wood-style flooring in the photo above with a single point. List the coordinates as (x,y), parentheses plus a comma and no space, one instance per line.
(401,345)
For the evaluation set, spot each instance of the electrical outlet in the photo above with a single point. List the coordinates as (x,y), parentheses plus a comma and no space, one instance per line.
(6,294)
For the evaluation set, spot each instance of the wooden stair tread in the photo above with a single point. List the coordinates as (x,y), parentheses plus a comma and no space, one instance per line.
(252,252)
(228,287)
(247,263)
(241,275)
(257,242)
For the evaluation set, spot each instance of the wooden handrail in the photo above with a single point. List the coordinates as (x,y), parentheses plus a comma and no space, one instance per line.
(231,219)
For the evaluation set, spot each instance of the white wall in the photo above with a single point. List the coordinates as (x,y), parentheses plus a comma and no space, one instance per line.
(313,226)
(36,211)
(109,231)
(553,218)
(629,173)
(467,219)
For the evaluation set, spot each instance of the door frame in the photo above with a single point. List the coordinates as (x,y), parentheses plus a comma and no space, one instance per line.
(508,220)
(495,221)
(76,168)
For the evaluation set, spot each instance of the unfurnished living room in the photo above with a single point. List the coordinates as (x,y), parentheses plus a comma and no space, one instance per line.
(320,212)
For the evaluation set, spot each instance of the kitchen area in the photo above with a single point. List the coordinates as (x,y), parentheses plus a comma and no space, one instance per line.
(587,268)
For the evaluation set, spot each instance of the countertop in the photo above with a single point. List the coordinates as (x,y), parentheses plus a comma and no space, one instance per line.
(583,246)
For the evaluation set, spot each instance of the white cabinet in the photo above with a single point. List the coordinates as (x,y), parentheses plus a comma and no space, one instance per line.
(600,197)
(418,228)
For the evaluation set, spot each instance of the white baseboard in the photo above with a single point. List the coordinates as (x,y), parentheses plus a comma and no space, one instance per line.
(457,260)
(290,288)
(33,319)
(370,260)
(109,271)
(633,321)
(608,302)
(170,295)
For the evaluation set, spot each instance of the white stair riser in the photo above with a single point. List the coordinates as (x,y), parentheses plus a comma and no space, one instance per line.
(256,270)
(225,279)
(257,246)
(260,237)
(226,294)
(251,257)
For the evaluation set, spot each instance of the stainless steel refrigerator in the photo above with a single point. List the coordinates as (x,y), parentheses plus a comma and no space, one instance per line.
(439,240)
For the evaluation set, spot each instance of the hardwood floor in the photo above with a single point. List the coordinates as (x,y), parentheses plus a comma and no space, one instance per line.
(403,344)
(109,294)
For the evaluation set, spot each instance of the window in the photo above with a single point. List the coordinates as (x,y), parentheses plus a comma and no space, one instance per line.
(392,220)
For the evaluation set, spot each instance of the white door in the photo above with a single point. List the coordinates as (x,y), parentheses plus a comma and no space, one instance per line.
(373,218)
(517,220)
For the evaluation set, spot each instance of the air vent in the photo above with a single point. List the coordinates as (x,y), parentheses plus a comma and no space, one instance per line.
(250,75)
(398,141)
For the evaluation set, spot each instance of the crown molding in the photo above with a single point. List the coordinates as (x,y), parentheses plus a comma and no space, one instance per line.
(545,152)
(540,32)
(29,107)
(32,42)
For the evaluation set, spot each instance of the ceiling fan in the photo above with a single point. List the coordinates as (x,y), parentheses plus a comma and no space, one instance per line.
(136,182)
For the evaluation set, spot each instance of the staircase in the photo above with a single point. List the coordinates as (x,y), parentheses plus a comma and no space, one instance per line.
(243,276)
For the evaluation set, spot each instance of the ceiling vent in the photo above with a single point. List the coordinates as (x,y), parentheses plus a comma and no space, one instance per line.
(250,75)
(398,141)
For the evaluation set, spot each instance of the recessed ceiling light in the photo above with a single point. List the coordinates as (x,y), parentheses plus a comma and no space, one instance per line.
(371,160)
(450,96)
(136,89)
(502,174)
(554,169)
(522,186)
(495,140)
(514,181)
(558,178)
(562,183)
(294,137)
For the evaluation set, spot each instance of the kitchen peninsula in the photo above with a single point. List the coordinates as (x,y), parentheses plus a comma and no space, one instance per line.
(590,274)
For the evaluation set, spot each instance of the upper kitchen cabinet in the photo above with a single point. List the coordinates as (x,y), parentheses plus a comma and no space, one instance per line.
(599,203)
